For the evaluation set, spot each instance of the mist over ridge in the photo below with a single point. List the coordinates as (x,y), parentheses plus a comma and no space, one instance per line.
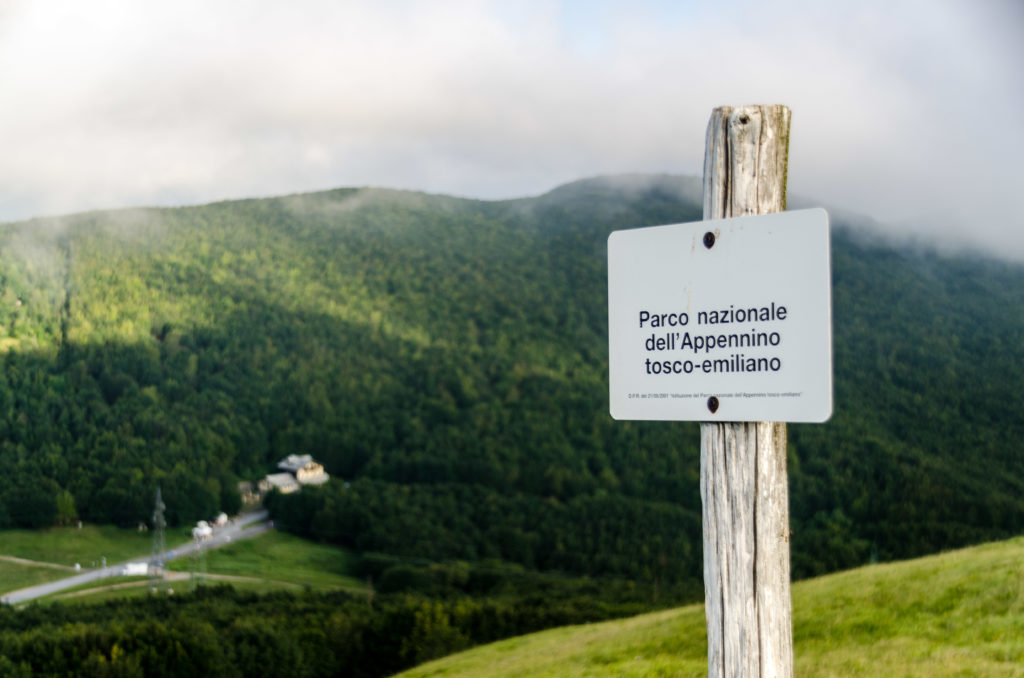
(908,236)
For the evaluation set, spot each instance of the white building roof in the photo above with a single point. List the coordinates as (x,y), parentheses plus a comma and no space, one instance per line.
(282,481)
(294,462)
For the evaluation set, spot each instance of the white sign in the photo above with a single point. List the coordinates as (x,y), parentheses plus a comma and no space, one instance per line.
(724,320)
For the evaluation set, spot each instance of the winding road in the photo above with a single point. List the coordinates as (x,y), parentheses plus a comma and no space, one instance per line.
(247,525)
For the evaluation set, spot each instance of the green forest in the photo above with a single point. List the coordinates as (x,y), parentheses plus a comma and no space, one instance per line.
(446,360)
(217,631)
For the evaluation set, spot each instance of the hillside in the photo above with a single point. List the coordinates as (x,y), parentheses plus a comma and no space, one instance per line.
(951,615)
(958,613)
(447,359)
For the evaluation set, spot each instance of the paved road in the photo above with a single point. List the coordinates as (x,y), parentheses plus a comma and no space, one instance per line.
(247,525)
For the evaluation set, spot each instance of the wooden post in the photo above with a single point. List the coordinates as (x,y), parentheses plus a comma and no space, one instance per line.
(743,485)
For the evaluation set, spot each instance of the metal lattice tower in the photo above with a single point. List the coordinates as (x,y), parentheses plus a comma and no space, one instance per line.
(156,559)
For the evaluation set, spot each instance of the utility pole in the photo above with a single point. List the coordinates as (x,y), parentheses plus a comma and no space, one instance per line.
(743,484)
(198,565)
(156,558)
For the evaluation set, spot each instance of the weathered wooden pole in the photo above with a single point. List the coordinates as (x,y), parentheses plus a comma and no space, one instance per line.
(743,482)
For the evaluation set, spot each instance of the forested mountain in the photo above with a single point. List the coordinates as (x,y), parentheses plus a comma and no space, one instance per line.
(446,360)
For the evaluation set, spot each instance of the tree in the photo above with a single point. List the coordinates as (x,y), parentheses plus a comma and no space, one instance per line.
(33,503)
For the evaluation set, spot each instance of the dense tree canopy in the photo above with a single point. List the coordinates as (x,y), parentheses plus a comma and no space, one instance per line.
(447,359)
(219,632)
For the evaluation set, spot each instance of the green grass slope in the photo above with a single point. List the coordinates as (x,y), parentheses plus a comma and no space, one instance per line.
(30,557)
(87,546)
(960,613)
(270,561)
(280,560)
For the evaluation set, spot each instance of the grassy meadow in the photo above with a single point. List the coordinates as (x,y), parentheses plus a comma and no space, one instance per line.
(69,545)
(278,559)
(273,560)
(960,613)
(30,557)
(14,576)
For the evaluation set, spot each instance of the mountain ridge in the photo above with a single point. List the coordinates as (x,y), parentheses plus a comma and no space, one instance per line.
(449,355)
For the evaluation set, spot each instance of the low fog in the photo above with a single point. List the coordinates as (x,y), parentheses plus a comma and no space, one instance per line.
(902,112)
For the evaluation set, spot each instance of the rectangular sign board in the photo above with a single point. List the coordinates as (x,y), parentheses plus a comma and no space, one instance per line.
(723,320)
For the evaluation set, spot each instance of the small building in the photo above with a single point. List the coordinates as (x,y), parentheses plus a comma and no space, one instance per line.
(285,483)
(305,470)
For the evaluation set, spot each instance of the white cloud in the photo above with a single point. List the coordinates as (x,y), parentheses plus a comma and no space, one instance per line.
(899,109)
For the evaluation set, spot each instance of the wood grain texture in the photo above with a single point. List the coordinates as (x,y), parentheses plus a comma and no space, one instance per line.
(744,490)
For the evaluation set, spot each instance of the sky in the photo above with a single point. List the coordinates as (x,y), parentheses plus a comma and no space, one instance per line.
(905,111)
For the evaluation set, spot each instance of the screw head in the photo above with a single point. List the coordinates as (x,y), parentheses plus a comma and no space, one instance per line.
(709,240)
(713,404)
